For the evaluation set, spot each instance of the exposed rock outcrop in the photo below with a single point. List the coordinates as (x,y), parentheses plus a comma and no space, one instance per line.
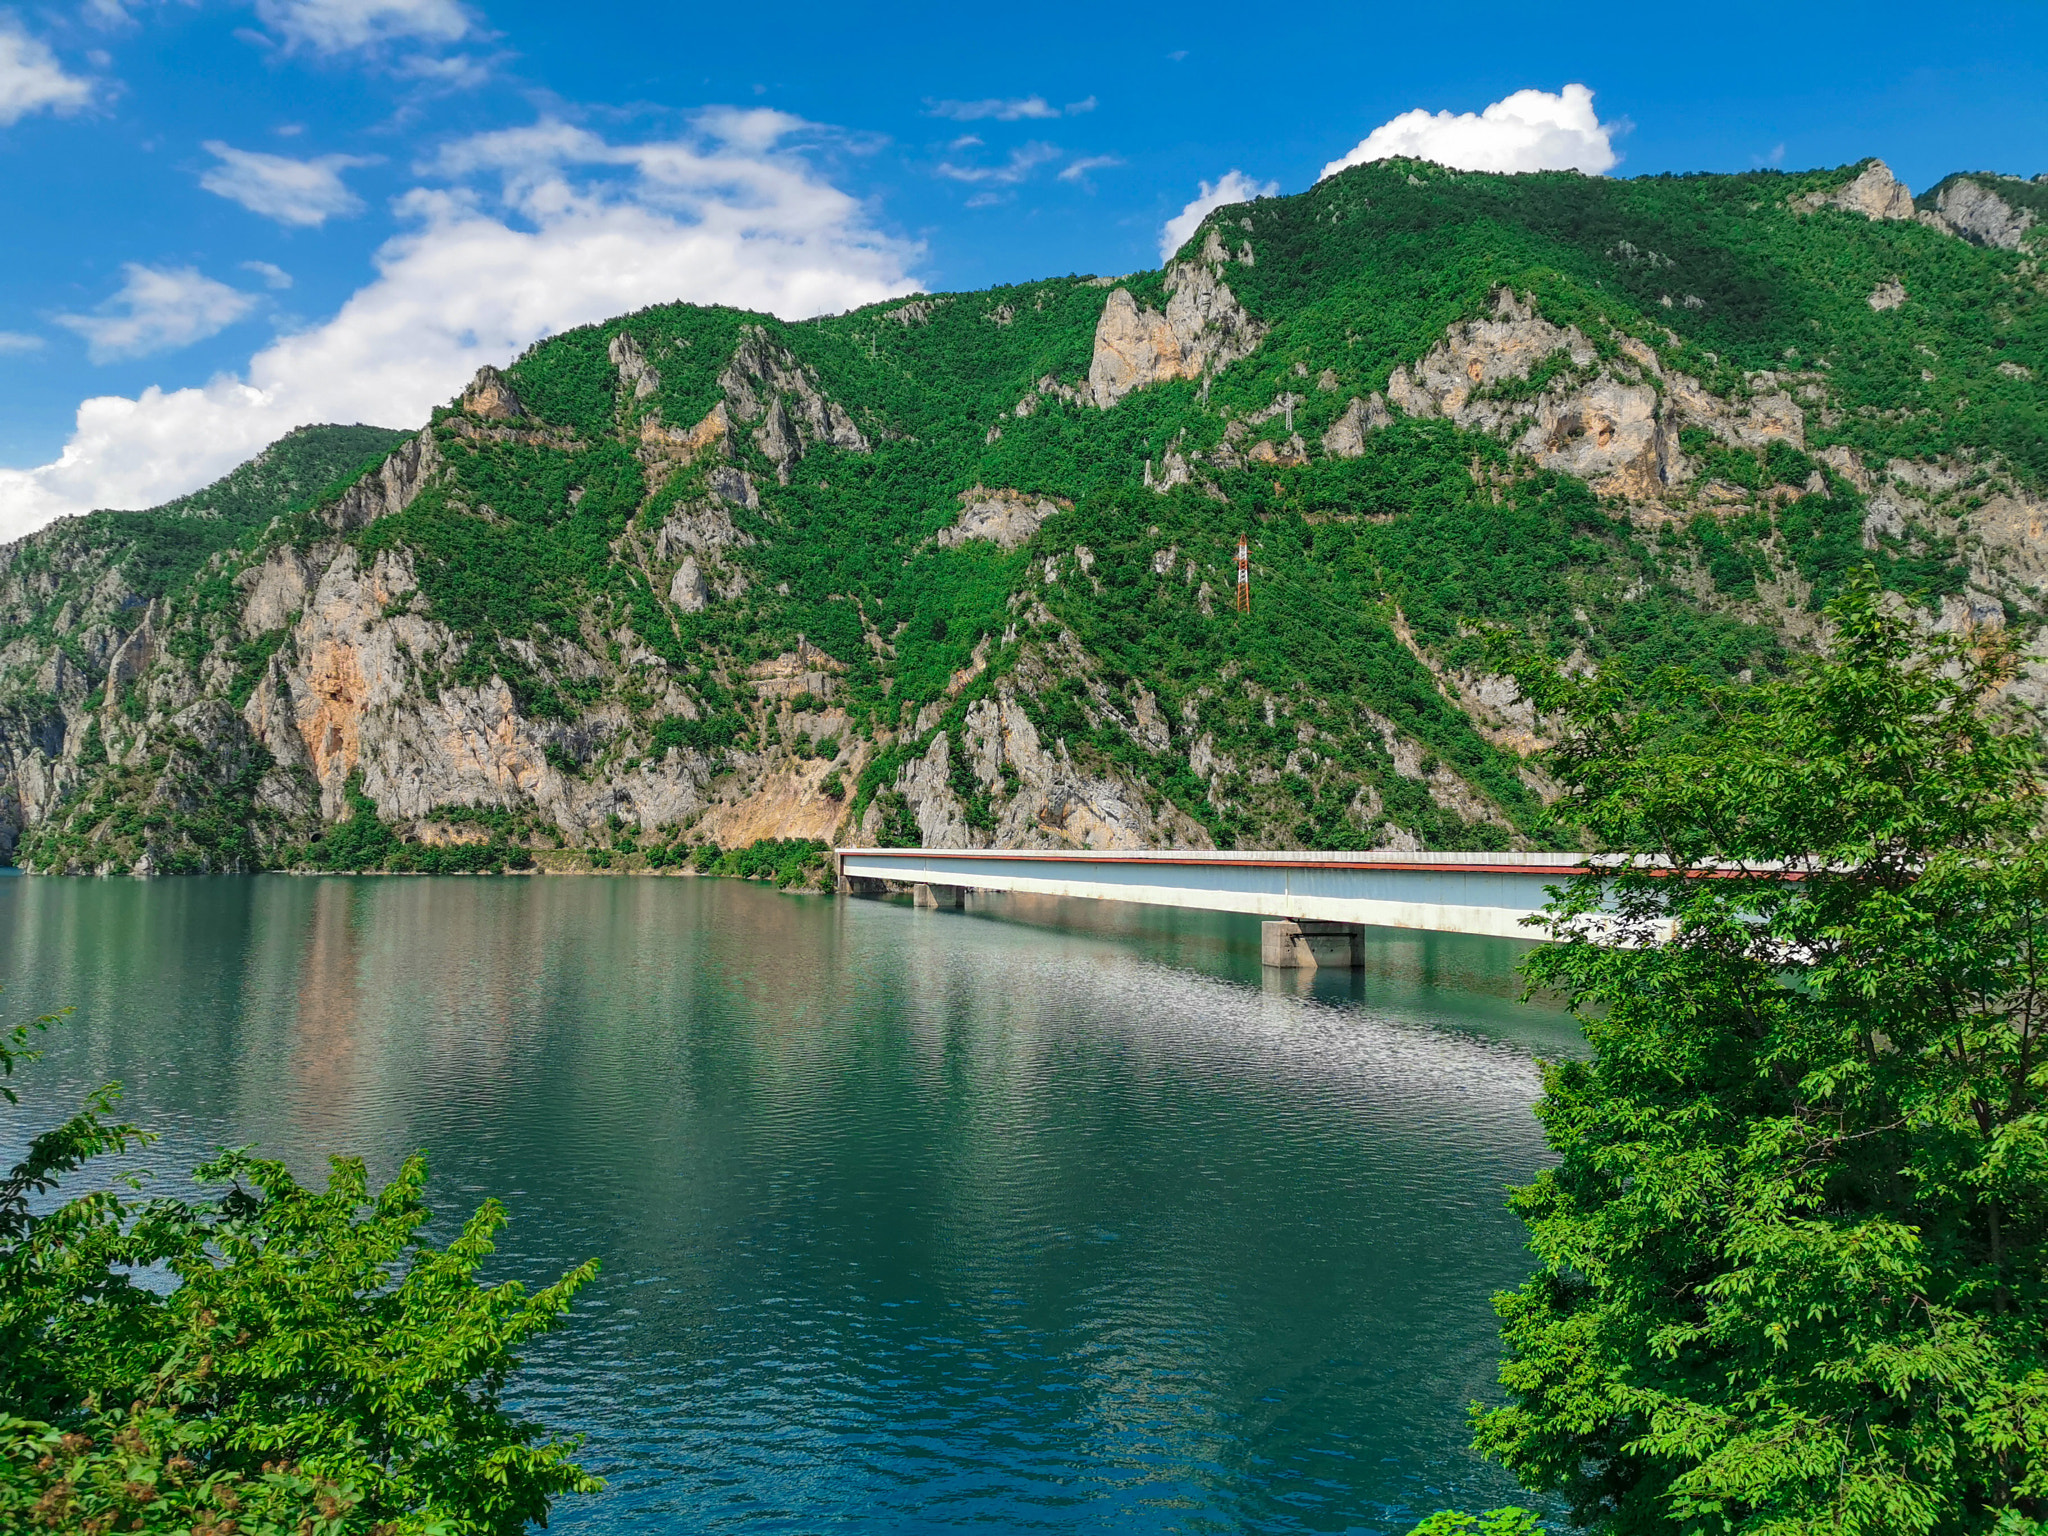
(399,479)
(1203,330)
(275,591)
(1006,519)
(765,382)
(635,372)
(704,527)
(1611,422)
(1589,421)
(1970,206)
(1875,193)
(1347,434)
(1044,801)
(491,397)
(687,590)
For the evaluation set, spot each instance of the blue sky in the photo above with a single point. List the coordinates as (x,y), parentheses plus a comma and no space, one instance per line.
(224,218)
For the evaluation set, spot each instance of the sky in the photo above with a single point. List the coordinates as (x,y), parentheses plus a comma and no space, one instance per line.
(223,218)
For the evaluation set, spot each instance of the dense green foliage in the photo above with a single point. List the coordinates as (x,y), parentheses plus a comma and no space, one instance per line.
(1495,1522)
(1775,287)
(163,551)
(1793,1261)
(548,542)
(786,861)
(315,1366)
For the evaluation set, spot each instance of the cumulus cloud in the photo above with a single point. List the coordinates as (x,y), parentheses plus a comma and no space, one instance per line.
(335,26)
(273,275)
(547,227)
(158,309)
(1232,187)
(31,79)
(305,193)
(1528,131)
(1022,162)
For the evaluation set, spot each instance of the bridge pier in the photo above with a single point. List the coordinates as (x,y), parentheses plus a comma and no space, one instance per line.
(1308,944)
(923,895)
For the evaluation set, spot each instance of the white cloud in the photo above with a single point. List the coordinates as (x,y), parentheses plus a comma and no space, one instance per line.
(17,341)
(1022,162)
(334,26)
(1232,187)
(569,229)
(273,276)
(1080,168)
(306,193)
(156,310)
(31,79)
(455,72)
(1528,131)
(1003,110)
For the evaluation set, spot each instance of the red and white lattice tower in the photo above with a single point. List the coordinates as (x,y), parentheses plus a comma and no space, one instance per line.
(1244,575)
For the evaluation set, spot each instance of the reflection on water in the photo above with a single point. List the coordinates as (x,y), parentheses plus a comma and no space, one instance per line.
(1044,1214)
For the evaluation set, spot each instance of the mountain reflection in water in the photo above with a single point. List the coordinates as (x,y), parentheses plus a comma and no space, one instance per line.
(1046,1215)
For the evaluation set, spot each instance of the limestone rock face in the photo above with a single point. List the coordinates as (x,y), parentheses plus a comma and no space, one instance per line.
(1133,347)
(1052,805)
(1887,295)
(687,591)
(764,382)
(735,486)
(1613,424)
(132,657)
(275,591)
(1875,193)
(490,397)
(635,372)
(348,694)
(662,445)
(1347,434)
(1204,329)
(1605,429)
(1971,207)
(398,480)
(705,528)
(1006,519)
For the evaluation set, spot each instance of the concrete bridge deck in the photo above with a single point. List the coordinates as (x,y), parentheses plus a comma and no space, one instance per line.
(1322,897)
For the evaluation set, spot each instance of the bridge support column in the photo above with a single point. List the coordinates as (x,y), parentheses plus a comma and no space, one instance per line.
(1307,944)
(859,885)
(923,895)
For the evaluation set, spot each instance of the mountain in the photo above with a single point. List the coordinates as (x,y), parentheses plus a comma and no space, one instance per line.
(962,570)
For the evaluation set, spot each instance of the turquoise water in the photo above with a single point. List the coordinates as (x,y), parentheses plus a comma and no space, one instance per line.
(1040,1216)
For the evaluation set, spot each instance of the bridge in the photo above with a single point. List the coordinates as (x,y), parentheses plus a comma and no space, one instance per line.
(1317,904)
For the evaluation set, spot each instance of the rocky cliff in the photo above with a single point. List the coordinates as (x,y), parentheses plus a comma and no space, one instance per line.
(961,571)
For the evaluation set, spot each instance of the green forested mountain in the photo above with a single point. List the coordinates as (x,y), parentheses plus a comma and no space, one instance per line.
(962,569)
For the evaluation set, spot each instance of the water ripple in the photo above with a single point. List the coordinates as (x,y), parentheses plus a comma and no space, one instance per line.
(1043,1215)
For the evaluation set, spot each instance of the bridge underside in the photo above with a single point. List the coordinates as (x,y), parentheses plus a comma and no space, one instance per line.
(1318,894)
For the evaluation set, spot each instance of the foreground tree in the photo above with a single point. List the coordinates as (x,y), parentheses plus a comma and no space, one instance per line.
(315,1368)
(1793,1258)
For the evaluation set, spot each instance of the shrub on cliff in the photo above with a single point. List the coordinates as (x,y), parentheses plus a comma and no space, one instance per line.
(315,1366)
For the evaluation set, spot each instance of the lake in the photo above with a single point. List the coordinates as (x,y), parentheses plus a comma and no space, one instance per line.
(1038,1216)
